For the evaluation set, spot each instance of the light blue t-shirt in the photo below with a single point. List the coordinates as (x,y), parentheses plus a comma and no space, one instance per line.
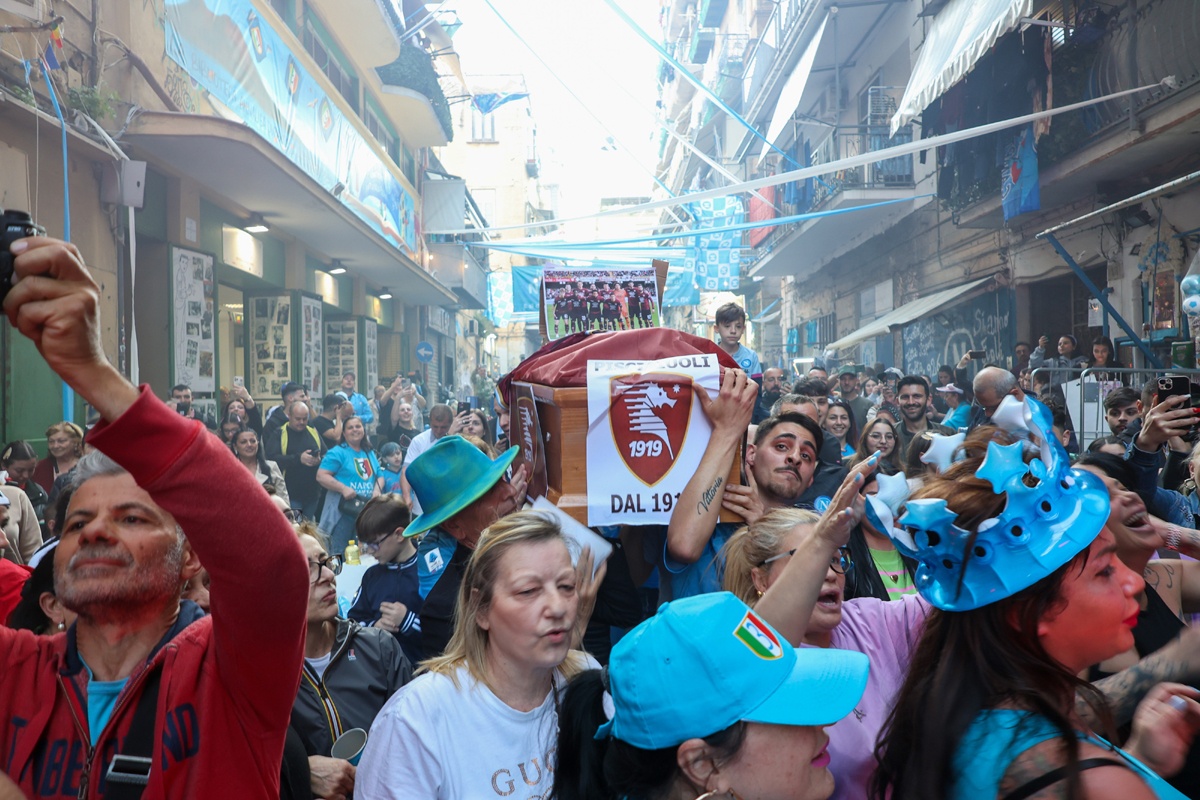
(999,735)
(354,468)
(747,359)
(391,480)
(705,574)
(958,418)
(101,700)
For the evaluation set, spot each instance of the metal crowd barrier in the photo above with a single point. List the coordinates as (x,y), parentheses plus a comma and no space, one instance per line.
(1084,391)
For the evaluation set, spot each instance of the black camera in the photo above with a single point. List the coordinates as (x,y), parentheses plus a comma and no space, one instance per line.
(13,225)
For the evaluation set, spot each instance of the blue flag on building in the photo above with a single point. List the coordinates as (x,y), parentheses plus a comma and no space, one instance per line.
(716,258)
(1019,188)
(488,102)
(49,58)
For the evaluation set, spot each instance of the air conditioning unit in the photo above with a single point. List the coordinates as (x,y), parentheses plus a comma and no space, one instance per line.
(34,10)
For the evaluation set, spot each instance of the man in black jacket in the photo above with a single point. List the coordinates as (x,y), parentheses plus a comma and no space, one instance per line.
(296,447)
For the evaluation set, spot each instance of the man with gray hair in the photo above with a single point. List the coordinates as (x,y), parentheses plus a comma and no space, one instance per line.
(142,690)
(991,385)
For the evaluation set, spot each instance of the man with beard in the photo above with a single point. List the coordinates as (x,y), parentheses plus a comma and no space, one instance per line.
(848,386)
(772,390)
(779,468)
(142,689)
(912,393)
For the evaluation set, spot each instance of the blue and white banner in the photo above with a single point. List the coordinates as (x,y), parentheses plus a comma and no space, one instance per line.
(716,257)
(1020,192)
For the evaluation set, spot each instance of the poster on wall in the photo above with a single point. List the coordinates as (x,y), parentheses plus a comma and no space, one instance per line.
(368,380)
(599,300)
(193,318)
(268,344)
(314,341)
(646,435)
(341,350)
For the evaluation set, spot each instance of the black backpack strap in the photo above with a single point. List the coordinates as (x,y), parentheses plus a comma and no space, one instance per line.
(129,771)
(1055,775)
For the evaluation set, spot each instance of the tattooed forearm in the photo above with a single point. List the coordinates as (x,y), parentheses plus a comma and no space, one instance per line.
(1178,662)
(707,498)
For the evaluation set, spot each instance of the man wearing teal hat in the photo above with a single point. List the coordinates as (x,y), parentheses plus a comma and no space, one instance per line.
(461,492)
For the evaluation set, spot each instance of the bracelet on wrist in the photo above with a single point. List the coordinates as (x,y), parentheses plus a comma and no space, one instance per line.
(1173,537)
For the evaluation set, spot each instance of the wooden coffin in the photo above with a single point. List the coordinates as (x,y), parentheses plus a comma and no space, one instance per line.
(562,416)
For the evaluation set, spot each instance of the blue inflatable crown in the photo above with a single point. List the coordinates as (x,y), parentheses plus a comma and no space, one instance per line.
(1051,514)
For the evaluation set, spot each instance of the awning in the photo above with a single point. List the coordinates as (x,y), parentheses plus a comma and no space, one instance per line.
(793,89)
(959,36)
(228,160)
(905,314)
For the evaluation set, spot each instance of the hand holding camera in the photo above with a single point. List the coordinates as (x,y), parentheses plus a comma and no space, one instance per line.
(53,300)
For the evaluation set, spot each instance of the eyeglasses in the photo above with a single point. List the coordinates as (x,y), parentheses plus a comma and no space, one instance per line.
(373,547)
(332,563)
(841,563)
(881,437)
(292,515)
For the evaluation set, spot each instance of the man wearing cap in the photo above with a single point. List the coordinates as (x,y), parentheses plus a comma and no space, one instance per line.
(12,576)
(957,412)
(461,492)
(848,387)
(296,448)
(362,408)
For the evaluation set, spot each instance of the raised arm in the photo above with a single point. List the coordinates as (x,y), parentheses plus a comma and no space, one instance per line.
(258,626)
(788,604)
(699,506)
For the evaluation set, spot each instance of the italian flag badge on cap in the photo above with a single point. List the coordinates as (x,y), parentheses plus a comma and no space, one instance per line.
(761,640)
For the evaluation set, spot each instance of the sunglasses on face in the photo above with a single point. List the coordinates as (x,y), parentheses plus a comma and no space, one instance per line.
(841,563)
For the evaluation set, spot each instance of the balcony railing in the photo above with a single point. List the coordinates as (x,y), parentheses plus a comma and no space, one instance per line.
(889,173)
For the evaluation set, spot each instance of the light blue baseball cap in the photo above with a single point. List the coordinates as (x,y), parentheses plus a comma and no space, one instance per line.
(705,662)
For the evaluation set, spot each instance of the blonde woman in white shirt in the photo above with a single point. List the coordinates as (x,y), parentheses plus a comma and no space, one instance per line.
(482,719)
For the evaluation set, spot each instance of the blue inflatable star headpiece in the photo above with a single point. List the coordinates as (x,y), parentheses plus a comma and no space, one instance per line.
(1051,514)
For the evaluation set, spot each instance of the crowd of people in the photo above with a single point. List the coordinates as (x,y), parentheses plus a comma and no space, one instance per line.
(915,600)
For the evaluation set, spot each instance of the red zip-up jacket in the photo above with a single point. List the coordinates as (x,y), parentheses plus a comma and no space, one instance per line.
(228,680)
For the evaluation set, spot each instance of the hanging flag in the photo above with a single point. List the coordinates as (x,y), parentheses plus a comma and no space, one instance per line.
(50,59)
(527,289)
(500,298)
(716,257)
(681,289)
(488,102)
(1020,191)
(56,35)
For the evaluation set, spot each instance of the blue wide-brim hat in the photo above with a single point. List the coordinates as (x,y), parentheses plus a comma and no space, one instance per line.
(450,476)
(703,663)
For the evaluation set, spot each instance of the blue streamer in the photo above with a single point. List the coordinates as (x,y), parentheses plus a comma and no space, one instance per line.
(68,394)
(744,226)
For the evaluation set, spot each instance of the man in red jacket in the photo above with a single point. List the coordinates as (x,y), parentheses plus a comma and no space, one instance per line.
(141,691)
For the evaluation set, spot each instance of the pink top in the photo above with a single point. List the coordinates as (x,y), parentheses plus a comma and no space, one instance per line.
(887,631)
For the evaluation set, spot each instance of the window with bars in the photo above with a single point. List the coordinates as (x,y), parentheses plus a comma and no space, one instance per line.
(827,328)
(342,78)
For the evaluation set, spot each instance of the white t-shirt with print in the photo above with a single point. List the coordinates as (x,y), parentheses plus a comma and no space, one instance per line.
(433,740)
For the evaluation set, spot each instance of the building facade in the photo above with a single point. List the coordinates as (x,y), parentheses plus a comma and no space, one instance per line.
(246,176)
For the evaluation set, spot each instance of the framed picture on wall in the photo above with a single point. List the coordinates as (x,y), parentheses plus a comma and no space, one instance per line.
(193,321)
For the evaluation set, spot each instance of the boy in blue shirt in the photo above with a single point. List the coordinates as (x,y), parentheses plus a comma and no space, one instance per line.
(388,596)
(731,325)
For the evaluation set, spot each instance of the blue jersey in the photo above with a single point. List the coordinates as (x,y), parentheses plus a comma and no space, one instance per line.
(392,583)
